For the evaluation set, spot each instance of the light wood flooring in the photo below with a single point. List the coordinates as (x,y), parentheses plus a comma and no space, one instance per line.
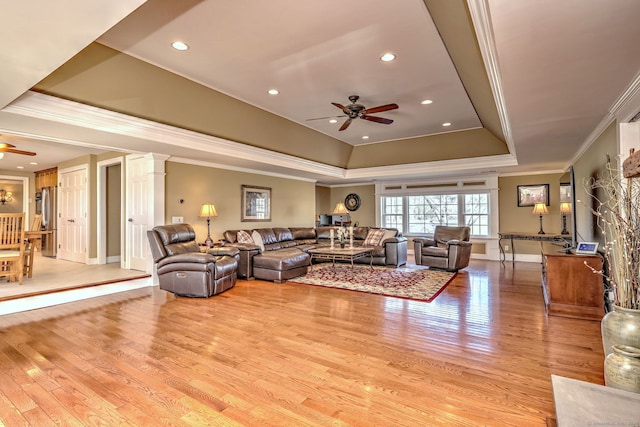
(295,355)
(50,274)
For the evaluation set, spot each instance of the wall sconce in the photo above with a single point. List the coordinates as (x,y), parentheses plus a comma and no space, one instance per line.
(540,209)
(565,208)
(208,211)
(5,197)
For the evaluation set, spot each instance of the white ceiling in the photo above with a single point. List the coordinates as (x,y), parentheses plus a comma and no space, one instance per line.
(559,66)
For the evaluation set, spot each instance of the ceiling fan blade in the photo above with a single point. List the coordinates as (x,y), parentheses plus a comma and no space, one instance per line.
(346,124)
(377,119)
(380,109)
(11,150)
(342,107)
(323,118)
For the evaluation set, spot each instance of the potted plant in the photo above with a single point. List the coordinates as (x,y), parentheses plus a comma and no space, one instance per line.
(616,207)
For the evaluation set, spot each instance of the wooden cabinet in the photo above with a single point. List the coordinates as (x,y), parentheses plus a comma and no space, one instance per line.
(572,289)
(46,178)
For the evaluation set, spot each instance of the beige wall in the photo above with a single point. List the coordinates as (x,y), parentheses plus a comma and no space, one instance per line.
(323,200)
(590,165)
(521,219)
(365,215)
(292,201)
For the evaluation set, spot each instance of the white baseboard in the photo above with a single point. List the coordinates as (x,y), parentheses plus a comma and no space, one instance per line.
(113,259)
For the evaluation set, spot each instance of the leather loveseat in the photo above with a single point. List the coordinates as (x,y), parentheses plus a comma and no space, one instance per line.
(184,270)
(280,253)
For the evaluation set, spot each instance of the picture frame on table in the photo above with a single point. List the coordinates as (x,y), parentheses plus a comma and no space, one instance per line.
(529,195)
(255,204)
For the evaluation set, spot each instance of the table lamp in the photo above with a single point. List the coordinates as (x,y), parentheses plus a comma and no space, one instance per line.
(540,209)
(565,208)
(340,209)
(207,211)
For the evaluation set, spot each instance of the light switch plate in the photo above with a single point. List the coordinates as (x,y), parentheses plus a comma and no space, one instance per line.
(177,219)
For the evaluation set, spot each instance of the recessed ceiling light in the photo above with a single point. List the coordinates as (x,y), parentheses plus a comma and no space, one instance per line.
(426,102)
(333,121)
(273,91)
(178,45)
(446,124)
(33,163)
(20,167)
(387,57)
(365,137)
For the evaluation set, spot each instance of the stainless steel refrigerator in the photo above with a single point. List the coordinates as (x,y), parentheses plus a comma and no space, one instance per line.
(49,221)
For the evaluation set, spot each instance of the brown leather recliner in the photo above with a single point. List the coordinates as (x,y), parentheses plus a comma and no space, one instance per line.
(450,248)
(184,270)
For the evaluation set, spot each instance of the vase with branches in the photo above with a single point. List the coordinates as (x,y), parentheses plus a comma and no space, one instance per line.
(616,207)
(617,211)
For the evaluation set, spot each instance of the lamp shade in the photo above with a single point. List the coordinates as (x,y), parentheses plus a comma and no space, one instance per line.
(540,209)
(340,209)
(565,207)
(208,210)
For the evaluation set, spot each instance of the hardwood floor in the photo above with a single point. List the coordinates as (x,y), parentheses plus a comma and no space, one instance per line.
(264,354)
(53,275)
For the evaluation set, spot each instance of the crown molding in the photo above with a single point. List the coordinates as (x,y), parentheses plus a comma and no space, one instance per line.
(481,18)
(438,168)
(41,106)
(238,169)
(37,105)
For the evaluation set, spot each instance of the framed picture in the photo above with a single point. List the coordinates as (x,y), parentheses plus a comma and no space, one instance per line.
(529,195)
(565,193)
(256,204)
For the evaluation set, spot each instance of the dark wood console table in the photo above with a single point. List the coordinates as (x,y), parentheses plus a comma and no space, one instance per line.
(556,238)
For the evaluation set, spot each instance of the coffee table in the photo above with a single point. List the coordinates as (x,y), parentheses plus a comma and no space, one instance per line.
(339,254)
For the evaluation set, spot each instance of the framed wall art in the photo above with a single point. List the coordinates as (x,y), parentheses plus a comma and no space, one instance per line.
(529,195)
(565,193)
(256,204)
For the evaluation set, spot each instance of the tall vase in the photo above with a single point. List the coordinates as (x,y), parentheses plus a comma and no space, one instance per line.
(620,327)
(622,368)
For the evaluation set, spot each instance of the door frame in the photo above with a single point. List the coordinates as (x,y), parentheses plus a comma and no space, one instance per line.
(25,194)
(102,209)
(87,206)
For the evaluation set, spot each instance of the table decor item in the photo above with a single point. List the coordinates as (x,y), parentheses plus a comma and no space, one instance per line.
(616,198)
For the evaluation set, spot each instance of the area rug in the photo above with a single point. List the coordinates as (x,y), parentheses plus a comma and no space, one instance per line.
(411,283)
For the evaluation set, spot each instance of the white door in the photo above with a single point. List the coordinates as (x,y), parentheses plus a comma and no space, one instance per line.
(138,212)
(144,206)
(72,214)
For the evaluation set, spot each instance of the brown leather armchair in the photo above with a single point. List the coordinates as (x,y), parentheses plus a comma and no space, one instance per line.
(184,270)
(450,248)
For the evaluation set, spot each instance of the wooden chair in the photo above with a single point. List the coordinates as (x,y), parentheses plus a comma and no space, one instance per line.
(34,234)
(12,244)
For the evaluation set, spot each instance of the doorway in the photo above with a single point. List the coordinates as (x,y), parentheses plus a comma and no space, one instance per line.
(110,211)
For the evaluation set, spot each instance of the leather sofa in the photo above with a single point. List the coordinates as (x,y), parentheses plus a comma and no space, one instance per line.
(184,270)
(280,253)
(450,248)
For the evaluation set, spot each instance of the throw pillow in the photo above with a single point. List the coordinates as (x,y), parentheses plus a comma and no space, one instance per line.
(257,239)
(244,237)
(374,237)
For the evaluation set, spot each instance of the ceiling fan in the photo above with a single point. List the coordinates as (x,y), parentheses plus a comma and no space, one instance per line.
(359,111)
(5,147)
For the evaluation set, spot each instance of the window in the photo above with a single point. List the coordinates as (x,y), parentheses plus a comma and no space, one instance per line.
(424,212)
(392,212)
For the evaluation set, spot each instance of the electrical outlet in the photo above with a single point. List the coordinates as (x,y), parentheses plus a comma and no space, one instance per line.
(177,220)
(506,248)
(609,295)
